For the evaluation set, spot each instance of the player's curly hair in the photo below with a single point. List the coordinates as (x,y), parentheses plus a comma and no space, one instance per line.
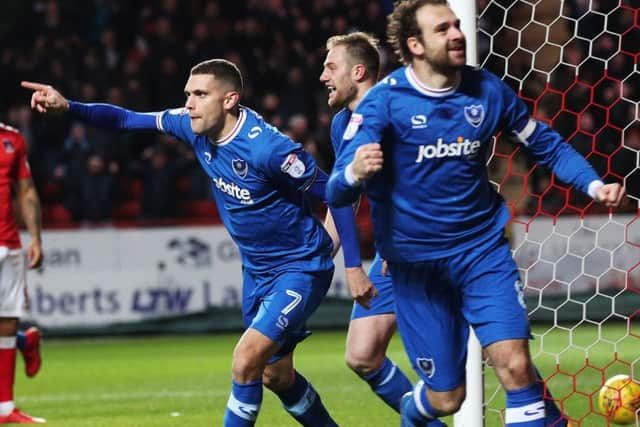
(223,70)
(403,24)
(362,48)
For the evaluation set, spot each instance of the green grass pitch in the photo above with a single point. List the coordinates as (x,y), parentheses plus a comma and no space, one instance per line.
(184,381)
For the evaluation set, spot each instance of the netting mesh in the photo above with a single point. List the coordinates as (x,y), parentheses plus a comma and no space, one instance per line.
(575,63)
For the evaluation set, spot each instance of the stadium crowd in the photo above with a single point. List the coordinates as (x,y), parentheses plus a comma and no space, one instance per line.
(132,53)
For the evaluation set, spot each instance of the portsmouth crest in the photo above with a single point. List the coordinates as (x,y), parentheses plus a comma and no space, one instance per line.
(8,146)
(474,114)
(240,167)
(426,365)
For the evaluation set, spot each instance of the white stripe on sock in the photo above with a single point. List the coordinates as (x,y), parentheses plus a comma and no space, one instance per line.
(244,410)
(530,412)
(392,372)
(305,402)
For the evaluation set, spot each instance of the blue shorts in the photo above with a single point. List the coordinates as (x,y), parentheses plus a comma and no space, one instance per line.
(383,303)
(437,300)
(278,304)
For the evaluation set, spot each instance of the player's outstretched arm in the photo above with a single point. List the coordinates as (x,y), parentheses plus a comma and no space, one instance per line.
(45,98)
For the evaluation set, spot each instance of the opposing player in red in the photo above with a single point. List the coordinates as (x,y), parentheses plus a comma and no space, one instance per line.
(16,176)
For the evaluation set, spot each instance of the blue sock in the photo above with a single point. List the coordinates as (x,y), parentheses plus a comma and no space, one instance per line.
(525,407)
(21,340)
(418,411)
(243,405)
(551,409)
(389,382)
(304,404)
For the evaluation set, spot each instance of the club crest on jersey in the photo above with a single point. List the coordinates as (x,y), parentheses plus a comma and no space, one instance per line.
(240,167)
(8,146)
(293,166)
(474,114)
(426,365)
(352,127)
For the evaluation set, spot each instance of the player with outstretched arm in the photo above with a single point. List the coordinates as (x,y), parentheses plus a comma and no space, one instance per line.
(260,182)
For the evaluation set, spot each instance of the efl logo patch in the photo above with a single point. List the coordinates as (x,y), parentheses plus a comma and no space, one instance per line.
(474,114)
(352,127)
(240,167)
(293,166)
(426,365)
(8,146)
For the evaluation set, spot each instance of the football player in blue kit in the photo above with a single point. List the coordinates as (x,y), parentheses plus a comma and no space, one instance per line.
(350,69)
(417,144)
(260,179)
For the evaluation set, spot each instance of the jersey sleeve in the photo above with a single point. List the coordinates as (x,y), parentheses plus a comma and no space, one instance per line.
(286,161)
(366,125)
(22,168)
(176,122)
(545,145)
(336,133)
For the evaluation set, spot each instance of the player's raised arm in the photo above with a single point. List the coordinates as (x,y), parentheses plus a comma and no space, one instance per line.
(549,149)
(46,99)
(361,156)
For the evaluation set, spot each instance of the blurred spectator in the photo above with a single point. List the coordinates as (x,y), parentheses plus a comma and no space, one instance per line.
(160,174)
(98,190)
(71,170)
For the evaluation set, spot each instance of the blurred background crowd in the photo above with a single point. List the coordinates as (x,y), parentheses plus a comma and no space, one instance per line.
(137,54)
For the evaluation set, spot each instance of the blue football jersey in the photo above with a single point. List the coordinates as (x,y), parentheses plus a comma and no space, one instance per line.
(339,124)
(433,197)
(258,176)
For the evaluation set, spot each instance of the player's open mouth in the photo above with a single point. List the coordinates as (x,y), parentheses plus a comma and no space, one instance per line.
(331,89)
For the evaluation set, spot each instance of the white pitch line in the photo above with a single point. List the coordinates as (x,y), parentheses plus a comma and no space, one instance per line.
(61,397)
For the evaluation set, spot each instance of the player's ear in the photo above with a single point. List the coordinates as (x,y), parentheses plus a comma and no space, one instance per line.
(358,72)
(415,46)
(231,99)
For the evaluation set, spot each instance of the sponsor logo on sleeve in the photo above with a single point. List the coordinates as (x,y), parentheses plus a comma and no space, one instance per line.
(293,166)
(254,132)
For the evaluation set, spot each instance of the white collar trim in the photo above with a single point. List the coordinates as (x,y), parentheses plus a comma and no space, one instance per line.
(242,116)
(422,88)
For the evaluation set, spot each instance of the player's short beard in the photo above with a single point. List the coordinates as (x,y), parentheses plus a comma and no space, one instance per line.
(351,94)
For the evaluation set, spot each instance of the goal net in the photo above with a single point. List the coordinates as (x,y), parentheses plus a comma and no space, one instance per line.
(575,63)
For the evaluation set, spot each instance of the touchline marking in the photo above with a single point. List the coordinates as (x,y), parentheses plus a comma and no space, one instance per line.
(61,397)
(121,396)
